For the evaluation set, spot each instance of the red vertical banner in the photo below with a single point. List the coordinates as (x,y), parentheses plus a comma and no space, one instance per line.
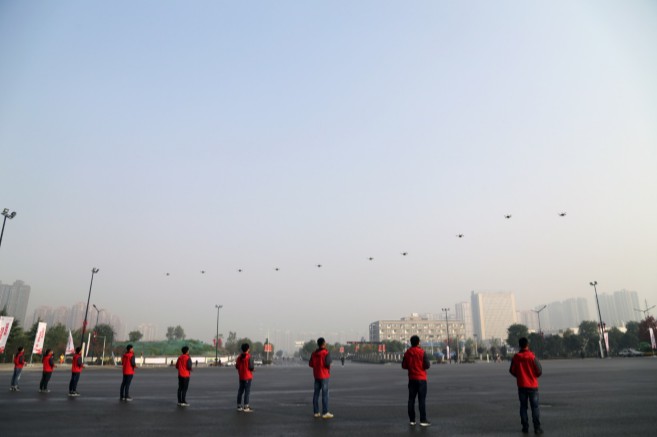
(383,348)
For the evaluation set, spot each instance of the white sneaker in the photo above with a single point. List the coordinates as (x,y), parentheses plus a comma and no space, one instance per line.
(240,408)
(247,409)
(412,423)
(327,416)
(317,415)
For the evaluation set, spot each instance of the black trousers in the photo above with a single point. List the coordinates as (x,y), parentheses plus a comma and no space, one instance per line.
(417,388)
(43,385)
(183,385)
(125,386)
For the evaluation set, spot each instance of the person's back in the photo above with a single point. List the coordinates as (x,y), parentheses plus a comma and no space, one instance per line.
(318,361)
(526,368)
(416,363)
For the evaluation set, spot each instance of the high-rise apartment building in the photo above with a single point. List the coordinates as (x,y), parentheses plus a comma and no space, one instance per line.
(148,330)
(464,313)
(619,307)
(14,299)
(492,314)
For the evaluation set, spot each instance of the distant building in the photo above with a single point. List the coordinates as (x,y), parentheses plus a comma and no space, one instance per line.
(149,331)
(430,330)
(492,314)
(529,318)
(464,313)
(14,299)
(619,308)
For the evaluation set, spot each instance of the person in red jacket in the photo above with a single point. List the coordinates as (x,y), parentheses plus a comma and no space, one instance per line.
(19,362)
(416,362)
(184,366)
(76,370)
(48,367)
(129,366)
(320,361)
(245,367)
(527,369)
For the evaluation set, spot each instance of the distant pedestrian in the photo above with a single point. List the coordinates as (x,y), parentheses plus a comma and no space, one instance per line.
(527,369)
(416,362)
(19,362)
(184,366)
(48,367)
(129,366)
(245,366)
(76,369)
(342,359)
(320,361)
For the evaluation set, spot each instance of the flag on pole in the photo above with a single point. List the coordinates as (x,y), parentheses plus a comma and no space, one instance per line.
(5,327)
(70,349)
(652,338)
(39,338)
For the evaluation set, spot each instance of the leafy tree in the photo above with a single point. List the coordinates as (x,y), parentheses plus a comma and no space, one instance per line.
(632,336)
(308,348)
(279,354)
(536,343)
(393,346)
(615,340)
(589,335)
(572,343)
(179,333)
(56,339)
(554,346)
(170,333)
(642,329)
(516,332)
(101,335)
(134,336)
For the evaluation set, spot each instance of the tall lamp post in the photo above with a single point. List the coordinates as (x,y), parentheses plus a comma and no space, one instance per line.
(86,312)
(95,327)
(597,303)
(540,331)
(8,215)
(216,341)
(449,356)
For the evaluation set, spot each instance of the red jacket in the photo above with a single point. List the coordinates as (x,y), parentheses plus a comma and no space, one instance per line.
(19,360)
(245,366)
(320,361)
(417,363)
(48,363)
(128,362)
(526,368)
(184,366)
(76,366)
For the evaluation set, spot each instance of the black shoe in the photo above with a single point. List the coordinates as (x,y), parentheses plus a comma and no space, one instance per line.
(538,431)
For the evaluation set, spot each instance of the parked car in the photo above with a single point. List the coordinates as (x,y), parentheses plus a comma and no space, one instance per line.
(629,352)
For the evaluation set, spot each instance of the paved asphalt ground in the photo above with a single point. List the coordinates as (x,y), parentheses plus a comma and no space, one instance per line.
(578,398)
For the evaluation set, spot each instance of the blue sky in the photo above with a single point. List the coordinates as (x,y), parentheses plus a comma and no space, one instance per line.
(153,137)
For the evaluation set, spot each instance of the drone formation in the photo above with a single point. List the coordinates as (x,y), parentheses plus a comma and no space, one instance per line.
(506,216)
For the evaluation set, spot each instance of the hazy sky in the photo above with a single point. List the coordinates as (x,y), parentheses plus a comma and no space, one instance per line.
(168,136)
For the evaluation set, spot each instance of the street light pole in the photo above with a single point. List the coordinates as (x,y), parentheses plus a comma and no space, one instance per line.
(8,215)
(540,331)
(95,328)
(449,356)
(216,341)
(86,312)
(597,302)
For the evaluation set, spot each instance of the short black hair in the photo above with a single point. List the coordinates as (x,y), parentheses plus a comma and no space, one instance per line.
(245,347)
(320,341)
(523,342)
(415,340)
(185,349)
(78,349)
